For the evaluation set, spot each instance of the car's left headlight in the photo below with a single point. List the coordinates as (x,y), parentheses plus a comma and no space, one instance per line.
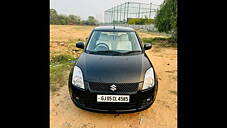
(77,79)
(149,80)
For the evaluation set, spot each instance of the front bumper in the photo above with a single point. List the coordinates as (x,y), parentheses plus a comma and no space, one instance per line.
(85,99)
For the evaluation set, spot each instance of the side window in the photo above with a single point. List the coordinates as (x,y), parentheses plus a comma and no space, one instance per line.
(135,41)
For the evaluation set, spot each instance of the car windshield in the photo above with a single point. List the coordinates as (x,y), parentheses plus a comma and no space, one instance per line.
(113,42)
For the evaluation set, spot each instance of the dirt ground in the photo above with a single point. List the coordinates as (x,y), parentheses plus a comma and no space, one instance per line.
(162,114)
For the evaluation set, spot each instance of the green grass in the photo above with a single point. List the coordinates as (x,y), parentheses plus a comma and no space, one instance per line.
(60,67)
(160,42)
(156,32)
(59,59)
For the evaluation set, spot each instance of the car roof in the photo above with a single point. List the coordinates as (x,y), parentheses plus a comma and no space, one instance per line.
(112,28)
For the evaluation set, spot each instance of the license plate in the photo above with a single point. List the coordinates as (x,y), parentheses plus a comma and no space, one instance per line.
(113,98)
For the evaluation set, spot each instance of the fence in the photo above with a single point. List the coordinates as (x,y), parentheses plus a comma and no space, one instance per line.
(150,27)
(121,13)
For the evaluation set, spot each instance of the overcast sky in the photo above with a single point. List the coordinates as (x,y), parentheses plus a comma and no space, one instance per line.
(85,8)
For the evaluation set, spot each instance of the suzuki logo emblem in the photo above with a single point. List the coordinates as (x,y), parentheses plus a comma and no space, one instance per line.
(113,87)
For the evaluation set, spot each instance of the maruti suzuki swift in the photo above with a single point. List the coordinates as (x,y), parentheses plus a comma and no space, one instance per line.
(113,74)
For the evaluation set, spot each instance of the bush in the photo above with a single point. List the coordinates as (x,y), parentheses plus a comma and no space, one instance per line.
(140,21)
(55,18)
(59,76)
(151,40)
(60,66)
(162,42)
(61,59)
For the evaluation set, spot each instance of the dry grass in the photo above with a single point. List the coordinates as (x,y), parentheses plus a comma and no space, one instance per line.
(151,35)
(69,32)
(64,48)
(77,32)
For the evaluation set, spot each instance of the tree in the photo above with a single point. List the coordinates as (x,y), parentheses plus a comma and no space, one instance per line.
(166,18)
(63,20)
(53,16)
(91,20)
(73,19)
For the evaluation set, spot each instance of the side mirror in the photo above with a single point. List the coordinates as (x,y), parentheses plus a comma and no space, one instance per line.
(80,45)
(147,46)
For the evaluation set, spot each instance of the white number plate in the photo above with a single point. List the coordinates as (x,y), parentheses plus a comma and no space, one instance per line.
(113,98)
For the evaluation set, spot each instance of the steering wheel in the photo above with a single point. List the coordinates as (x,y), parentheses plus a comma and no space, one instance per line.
(102,46)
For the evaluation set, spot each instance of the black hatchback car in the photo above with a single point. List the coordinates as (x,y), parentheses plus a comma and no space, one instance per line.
(113,74)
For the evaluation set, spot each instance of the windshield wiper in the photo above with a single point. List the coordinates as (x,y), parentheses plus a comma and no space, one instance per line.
(113,52)
(129,52)
(104,52)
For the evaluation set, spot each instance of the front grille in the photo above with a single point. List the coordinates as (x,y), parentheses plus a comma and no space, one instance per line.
(120,88)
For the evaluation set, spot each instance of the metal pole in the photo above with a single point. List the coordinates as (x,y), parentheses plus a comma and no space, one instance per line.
(120,13)
(150,11)
(127,12)
(117,14)
(124,13)
(110,15)
(139,11)
(105,17)
(104,20)
(113,14)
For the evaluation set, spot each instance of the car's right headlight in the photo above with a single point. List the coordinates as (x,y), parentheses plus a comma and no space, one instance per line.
(149,80)
(77,78)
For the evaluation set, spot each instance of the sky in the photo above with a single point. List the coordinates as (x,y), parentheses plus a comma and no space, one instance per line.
(85,8)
